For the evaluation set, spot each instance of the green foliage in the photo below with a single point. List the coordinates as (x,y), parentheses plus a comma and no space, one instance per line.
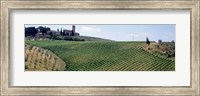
(147,41)
(105,56)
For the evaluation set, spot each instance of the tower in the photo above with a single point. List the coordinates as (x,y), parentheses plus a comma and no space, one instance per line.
(61,33)
(73,30)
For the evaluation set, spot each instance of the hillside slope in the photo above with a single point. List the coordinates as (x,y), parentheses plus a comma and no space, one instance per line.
(39,59)
(106,56)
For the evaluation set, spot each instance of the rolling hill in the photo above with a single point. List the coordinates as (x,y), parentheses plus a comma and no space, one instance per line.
(39,59)
(105,56)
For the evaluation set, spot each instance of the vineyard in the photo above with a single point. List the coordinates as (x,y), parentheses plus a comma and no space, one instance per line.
(42,60)
(105,56)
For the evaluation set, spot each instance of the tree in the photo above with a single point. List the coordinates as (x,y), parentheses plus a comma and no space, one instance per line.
(43,30)
(147,41)
(51,34)
(159,41)
(61,33)
(30,31)
(48,29)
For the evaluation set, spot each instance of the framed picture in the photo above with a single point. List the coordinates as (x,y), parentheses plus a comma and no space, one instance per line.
(97,47)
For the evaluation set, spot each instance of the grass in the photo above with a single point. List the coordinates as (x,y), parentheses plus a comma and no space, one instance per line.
(105,56)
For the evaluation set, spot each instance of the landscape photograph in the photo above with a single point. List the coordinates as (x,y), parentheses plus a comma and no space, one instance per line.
(99,47)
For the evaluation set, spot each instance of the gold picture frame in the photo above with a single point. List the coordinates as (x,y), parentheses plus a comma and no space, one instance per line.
(8,5)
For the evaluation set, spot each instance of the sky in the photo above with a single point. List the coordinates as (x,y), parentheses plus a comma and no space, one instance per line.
(123,32)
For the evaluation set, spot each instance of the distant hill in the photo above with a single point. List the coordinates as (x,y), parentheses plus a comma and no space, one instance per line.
(68,38)
(105,56)
(89,38)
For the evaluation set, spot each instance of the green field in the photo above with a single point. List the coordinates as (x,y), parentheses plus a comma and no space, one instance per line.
(105,56)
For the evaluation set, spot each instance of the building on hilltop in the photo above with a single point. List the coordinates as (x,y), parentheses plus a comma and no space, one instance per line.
(72,32)
(43,31)
(64,32)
